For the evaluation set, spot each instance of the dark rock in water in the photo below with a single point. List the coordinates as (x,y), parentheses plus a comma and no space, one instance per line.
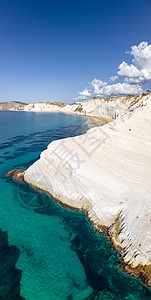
(9,275)
(3,240)
(76,243)
(104,295)
(17,174)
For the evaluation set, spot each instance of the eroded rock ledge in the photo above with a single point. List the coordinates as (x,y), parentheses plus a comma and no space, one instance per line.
(107,173)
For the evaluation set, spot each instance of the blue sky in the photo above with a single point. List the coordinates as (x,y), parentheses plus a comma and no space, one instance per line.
(52,50)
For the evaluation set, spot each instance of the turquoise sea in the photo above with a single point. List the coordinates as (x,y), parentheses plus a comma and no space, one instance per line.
(61,257)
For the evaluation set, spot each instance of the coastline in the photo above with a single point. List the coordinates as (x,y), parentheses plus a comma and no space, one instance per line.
(92,121)
(107,233)
(140,271)
(106,108)
(80,195)
(64,112)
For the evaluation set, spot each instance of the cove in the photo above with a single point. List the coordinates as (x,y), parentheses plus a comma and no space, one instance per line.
(61,256)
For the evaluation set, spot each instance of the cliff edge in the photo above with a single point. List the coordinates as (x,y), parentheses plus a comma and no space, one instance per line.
(107,173)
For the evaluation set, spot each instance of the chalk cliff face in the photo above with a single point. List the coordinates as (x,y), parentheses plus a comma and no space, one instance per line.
(100,107)
(108,108)
(107,172)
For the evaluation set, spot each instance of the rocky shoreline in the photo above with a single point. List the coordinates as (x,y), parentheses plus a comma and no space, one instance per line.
(105,109)
(115,173)
(102,287)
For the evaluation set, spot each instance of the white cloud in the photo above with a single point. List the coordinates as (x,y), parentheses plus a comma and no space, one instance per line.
(113,78)
(134,75)
(97,84)
(119,89)
(128,70)
(102,89)
(84,94)
(142,58)
(140,69)
(138,80)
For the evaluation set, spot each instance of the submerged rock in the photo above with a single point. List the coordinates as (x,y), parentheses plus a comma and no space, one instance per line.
(9,275)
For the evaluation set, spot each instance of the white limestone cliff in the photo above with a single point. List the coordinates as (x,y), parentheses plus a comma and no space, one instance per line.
(107,172)
(110,108)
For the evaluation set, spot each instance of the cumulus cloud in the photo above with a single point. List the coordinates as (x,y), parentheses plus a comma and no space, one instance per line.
(113,78)
(140,69)
(97,84)
(142,58)
(134,75)
(128,70)
(84,94)
(139,80)
(119,89)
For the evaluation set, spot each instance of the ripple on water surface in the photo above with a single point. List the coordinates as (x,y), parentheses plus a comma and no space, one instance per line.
(60,255)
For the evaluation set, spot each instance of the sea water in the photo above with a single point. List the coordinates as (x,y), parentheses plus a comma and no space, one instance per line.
(61,256)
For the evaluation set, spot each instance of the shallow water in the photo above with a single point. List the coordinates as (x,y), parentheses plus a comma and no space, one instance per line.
(60,255)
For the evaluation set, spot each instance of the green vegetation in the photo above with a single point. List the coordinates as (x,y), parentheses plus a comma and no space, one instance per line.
(79,108)
(148,91)
(60,104)
(129,95)
(19,102)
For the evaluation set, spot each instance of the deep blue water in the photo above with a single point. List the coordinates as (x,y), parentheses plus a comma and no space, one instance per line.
(60,255)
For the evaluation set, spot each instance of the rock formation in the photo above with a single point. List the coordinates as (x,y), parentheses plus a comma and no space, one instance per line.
(107,173)
(9,275)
